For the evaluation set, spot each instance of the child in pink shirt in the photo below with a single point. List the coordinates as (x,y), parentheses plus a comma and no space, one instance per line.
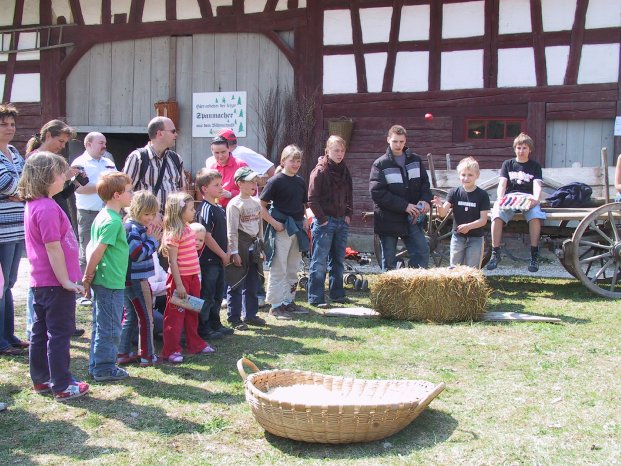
(53,252)
(179,244)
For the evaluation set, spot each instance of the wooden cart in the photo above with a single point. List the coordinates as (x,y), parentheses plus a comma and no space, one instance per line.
(586,240)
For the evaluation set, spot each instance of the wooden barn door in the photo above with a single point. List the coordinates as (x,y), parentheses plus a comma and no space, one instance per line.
(570,142)
(113,87)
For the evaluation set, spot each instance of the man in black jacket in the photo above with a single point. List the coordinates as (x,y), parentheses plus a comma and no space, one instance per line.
(400,190)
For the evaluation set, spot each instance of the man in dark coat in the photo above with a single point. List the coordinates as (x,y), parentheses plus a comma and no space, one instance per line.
(401,194)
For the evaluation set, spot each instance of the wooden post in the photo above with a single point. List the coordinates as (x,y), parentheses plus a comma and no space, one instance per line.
(448,162)
(605,168)
(432,170)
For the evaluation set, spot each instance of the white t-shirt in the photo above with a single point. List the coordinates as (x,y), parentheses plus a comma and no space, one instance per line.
(94,169)
(255,161)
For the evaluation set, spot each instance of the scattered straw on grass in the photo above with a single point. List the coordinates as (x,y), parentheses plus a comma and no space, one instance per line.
(431,295)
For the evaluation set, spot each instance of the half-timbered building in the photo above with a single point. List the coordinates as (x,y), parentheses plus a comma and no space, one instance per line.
(485,70)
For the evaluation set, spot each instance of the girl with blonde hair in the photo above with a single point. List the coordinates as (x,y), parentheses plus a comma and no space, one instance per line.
(179,245)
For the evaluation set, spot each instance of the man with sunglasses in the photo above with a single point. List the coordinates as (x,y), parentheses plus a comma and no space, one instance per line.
(156,167)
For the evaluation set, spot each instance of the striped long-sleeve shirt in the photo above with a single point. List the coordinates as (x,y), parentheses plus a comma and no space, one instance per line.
(11,212)
(141,249)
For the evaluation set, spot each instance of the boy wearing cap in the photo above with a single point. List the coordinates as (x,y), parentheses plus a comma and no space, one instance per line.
(245,230)
(258,163)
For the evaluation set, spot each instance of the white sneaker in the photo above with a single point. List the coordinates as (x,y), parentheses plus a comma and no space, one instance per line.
(82,301)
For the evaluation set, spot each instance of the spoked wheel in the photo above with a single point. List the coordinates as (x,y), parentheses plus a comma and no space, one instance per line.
(438,232)
(596,255)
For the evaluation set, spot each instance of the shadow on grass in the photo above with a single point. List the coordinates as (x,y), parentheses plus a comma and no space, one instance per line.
(144,418)
(29,435)
(430,428)
(531,288)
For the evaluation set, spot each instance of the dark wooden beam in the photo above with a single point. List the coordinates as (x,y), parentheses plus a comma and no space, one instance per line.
(106,11)
(205,7)
(135,12)
(171,10)
(356,27)
(539,45)
(76,12)
(270,5)
(26,66)
(490,49)
(536,129)
(617,139)
(435,45)
(577,40)
(393,40)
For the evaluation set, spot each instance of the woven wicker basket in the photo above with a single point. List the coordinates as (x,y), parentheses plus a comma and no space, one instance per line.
(372,417)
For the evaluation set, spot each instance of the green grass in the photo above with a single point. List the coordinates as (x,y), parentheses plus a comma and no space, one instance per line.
(517,393)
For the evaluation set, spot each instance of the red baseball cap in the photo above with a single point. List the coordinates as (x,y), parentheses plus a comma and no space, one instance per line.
(228,134)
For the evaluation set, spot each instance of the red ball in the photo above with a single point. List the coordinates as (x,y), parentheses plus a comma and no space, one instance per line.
(428,116)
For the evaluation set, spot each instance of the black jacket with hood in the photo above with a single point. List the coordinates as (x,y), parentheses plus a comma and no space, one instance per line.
(392,189)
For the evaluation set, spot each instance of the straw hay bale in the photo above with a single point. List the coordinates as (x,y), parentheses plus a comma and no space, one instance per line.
(437,295)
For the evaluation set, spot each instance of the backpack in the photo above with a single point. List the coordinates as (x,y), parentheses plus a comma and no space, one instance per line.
(571,195)
(144,164)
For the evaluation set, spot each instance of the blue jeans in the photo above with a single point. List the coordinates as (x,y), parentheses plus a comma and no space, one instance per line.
(106,335)
(329,243)
(10,255)
(416,244)
(243,301)
(466,250)
(212,291)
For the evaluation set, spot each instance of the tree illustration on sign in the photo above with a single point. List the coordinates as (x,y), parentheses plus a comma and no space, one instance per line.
(241,113)
(239,101)
(241,127)
(216,100)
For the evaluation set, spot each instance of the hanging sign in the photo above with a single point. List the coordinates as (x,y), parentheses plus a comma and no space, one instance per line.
(212,111)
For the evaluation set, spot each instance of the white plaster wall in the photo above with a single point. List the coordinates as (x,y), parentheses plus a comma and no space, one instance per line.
(516,67)
(603,14)
(375,64)
(463,19)
(462,70)
(154,11)
(8,11)
(91,11)
(375,23)
(339,74)
(26,88)
(302,4)
(414,23)
(27,40)
(514,16)
(337,27)
(61,8)
(188,9)
(31,12)
(2,79)
(556,64)
(558,15)
(599,63)
(254,6)
(411,72)
(119,7)
(281,5)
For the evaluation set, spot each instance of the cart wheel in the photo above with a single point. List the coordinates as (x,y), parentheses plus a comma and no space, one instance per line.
(349,279)
(566,257)
(365,285)
(358,284)
(303,282)
(596,255)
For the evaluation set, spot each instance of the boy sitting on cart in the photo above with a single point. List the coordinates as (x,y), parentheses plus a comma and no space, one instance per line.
(519,190)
